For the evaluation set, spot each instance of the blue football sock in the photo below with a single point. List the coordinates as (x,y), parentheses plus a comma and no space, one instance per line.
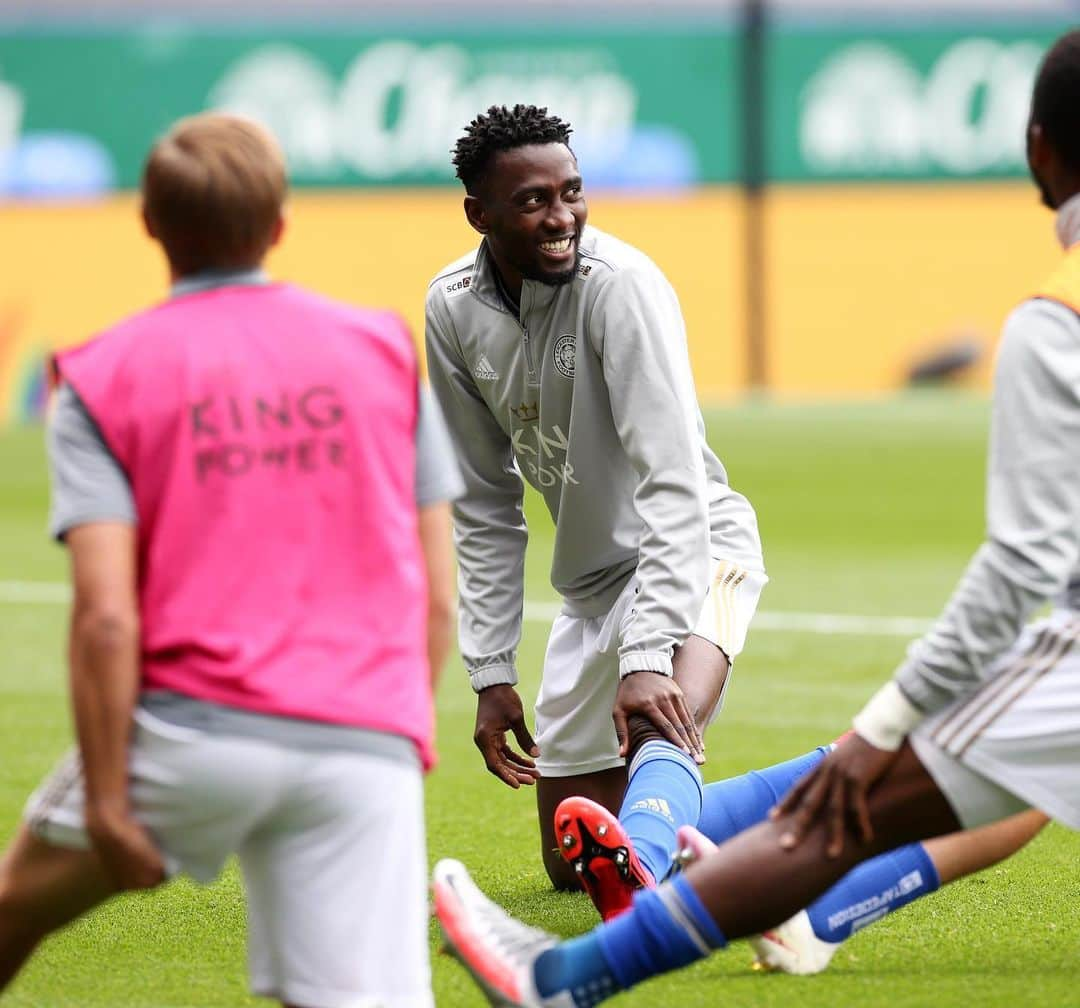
(662,794)
(873,889)
(577,966)
(730,806)
(666,928)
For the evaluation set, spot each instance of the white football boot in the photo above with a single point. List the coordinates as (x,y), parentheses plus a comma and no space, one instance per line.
(791,947)
(498,950)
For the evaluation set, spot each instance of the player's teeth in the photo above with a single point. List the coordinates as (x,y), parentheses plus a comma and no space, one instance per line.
(556,246)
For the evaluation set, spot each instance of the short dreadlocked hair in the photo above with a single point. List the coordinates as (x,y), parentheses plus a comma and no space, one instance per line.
(502,129)
(1055,104)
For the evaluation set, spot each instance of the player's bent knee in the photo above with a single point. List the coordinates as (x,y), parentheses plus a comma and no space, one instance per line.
(20,926)
(43,887)
(639,731)
(564,881)
(907,804)
(561,874)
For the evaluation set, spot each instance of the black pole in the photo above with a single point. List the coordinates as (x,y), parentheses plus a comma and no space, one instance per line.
(753,173)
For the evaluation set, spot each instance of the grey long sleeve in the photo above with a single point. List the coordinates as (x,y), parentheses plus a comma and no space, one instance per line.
(1033,509)
(638,331)
(489,523)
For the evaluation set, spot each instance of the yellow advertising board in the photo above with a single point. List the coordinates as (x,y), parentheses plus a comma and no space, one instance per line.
(867,280)
(861,280)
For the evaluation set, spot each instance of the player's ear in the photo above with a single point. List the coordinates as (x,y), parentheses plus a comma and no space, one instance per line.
(1036,145)
(476,215)
(148,224)
(279,229)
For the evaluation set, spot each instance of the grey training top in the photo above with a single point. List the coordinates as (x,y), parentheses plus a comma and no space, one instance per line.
(88,484)
(1032,548)
(587,393)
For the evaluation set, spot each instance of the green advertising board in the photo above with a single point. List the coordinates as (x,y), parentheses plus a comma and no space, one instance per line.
(650,107)
(354,108)
(902,104)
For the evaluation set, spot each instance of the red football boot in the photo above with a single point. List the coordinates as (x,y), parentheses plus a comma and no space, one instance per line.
(595,843)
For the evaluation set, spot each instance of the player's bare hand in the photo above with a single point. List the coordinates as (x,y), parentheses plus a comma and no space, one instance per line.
(498,711)
(836,793)
(659,699)
(127,851)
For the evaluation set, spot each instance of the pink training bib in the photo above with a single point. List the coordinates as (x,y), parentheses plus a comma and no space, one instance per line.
(269,439)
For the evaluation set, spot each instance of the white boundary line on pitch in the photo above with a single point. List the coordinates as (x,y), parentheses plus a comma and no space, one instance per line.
(795,622)
(34,592)
(57,593)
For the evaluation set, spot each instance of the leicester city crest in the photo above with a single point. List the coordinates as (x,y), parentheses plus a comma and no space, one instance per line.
(565,354)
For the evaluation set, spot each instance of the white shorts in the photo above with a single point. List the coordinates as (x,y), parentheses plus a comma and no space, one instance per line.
(1015,742)
(574,729)
(331,845)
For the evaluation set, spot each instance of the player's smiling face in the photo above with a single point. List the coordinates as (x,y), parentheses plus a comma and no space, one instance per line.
(531,208)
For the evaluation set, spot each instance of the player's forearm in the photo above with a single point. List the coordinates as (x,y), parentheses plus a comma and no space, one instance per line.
(672,575)
(488,639)
(440,639)
(983,618)
(491,599)
(733,528)
(674,547)
(436,544)
(104,663)
(489,523)
(490,538)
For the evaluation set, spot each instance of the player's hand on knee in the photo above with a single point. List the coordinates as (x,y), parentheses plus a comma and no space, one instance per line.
(836,793)
(658,699)
(498,711)
(128,853)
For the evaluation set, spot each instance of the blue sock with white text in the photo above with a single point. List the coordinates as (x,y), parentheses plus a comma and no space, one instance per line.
(663,792)
(666,928)
(577,966)
(871,890)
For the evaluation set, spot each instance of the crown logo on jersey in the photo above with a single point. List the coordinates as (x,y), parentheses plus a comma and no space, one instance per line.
(526,412)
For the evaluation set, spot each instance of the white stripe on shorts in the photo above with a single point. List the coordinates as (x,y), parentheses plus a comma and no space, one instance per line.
(962,729)
(53,793)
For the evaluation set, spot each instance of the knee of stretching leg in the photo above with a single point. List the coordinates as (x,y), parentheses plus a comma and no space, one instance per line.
(562,876)
(19,923)
(640,731)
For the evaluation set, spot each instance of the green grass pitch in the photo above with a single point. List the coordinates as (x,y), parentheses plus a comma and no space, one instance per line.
(867,510)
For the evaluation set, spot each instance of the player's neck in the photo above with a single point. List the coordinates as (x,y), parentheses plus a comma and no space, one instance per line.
(510,297)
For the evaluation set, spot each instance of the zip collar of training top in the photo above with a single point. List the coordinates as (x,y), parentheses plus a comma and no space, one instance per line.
(485,286)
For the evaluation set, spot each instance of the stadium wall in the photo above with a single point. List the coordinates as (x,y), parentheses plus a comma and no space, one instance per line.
(864,278)
(897,224)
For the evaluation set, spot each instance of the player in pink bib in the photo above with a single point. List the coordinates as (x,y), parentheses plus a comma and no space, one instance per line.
(253,489)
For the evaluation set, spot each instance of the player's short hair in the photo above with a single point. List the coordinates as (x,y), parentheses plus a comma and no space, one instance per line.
(502,129)
(213,189)
(1055,104)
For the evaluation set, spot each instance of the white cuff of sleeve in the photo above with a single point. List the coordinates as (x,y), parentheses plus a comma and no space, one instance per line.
(887,718)
(492,675)
(645,661)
